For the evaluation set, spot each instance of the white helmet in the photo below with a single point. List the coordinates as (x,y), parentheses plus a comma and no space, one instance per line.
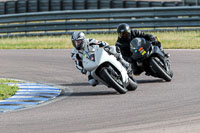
(78,39)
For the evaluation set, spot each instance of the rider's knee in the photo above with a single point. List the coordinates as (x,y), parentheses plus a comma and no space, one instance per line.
(92,81)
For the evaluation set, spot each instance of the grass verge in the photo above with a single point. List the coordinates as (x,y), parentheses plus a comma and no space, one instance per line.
(6,90)
(170,40)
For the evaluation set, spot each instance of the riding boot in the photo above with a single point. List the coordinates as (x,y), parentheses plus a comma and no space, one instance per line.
(136,70)
(92,81)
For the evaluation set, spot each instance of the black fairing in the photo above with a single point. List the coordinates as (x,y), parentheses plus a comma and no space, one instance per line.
(139,48)
(143,51)
(157,52)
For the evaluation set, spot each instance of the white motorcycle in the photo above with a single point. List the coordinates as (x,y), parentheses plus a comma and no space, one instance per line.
(105,68)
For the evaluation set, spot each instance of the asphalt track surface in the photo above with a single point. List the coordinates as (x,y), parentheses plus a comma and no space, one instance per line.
(156,106)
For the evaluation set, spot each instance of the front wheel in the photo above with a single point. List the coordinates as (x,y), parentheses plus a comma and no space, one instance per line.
(159,68)
(110,78)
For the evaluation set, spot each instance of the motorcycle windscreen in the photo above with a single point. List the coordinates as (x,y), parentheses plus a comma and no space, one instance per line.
(139,48)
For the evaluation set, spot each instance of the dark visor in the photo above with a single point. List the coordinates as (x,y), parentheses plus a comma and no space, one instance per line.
(123,35)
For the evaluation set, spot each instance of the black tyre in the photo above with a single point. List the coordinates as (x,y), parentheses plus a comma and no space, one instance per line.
(158,66)
(132,85)
(111,81)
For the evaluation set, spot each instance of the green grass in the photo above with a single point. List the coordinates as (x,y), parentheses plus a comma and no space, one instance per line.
(47,42)
(180,40)
(170,40)
(6,90)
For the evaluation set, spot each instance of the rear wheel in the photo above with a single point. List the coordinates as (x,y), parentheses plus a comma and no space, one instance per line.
(159,67)
(110,78)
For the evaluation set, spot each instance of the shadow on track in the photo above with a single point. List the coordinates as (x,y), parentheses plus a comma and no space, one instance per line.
(91,93)
(96,93)
(99,93)
(76,84)
(150,81)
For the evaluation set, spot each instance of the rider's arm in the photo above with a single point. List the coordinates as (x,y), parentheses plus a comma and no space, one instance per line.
(139,33)
(148,37)
(125,54)
(78,61)
(128,59)
(102,44)
(96,42)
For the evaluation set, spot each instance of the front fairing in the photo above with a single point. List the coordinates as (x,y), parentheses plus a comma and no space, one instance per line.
(91,62)
(139,50)
(156,51)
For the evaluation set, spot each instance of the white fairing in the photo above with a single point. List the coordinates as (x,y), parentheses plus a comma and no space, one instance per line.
(101,56)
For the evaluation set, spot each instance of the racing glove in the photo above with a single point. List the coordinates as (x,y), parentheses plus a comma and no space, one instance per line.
(108,49)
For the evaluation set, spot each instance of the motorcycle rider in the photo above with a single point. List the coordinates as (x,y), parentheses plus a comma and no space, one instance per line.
(81,45)
(125,36)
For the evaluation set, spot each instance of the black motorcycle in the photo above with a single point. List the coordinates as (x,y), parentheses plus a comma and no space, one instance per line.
(151,59)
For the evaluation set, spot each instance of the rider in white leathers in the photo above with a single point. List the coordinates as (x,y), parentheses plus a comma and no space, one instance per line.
(82,44)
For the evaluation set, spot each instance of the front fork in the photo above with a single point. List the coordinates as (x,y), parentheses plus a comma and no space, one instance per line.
(118,77)
(167,64)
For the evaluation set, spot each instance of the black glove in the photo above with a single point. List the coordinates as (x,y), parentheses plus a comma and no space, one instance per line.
(156,41)
(130,60)
(107,48)
(152,39)
(117,56)
(118,49)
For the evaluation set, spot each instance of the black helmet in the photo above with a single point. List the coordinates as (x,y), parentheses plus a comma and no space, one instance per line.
(78,39)
(123,31)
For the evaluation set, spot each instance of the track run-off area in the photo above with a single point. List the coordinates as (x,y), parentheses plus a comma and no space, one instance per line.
(155,107)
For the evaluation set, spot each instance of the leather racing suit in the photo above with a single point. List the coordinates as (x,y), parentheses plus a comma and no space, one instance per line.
(77,56)
(124,46)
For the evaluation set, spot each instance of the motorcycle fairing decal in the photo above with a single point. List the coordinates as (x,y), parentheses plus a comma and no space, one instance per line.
(134,48)
(90,57)
(141,48)
(142,51)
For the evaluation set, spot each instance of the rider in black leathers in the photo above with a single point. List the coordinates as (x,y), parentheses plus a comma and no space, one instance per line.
(125,35)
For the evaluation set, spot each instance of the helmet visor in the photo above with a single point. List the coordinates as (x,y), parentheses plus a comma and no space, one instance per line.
(123,35)
(78,43)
